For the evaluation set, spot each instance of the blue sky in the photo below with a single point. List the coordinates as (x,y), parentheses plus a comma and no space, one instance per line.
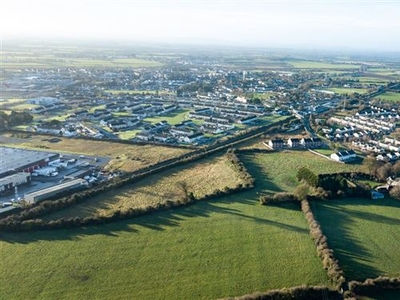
(369,25)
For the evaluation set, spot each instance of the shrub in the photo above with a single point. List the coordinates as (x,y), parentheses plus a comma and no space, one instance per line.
(331,265)
(277,198)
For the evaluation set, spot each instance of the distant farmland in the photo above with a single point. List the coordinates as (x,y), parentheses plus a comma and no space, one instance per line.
(305,64)
(389,96)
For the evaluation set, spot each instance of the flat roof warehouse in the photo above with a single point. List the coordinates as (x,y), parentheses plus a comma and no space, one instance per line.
(14,160)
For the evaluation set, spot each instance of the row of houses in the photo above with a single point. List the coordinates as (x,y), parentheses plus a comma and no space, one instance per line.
(312,142)
(47,107)
(361,123)
(185,132)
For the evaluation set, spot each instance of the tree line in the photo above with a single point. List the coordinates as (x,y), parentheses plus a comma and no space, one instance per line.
(15,118)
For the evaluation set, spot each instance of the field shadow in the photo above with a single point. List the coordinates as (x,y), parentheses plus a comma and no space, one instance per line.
(338,225)
(158,221)
(263,182)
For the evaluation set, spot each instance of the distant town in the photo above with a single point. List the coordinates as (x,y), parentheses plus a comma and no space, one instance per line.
(81,128)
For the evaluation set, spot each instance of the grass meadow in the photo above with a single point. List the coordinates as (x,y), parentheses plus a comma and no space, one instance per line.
(364,234)
(349,91)
(38,61)
(122,156)
(172,118)
(389,96)
(305,64)
(209,250)
(201,178)
(277,171)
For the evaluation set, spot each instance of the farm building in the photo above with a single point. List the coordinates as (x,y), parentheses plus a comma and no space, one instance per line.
(8,183)
(54,190)
(14,160)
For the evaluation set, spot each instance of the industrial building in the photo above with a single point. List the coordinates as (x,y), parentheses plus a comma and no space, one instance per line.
(9,183)
(54,190)
(13,160)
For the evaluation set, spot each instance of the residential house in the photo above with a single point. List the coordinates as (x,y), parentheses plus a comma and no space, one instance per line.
(344,156)
(293,142)
(276,144)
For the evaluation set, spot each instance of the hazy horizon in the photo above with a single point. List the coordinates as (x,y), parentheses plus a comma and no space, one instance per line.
(347,25)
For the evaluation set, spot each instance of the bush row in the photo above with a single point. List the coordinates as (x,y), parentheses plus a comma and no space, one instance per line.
(277,198)
(254,150)
(14,224)
(299,293)
(330,263)
(240,168)
(335,185)
(374,285)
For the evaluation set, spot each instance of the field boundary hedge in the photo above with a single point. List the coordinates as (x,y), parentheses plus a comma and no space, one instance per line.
(302,292)
(24,222)
(330,263)
(377,284)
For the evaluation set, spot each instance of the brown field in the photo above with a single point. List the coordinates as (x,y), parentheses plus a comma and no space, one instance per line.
(201,178)
(122,156)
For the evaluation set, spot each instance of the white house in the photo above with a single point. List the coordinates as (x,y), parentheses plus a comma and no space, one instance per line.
(344,156)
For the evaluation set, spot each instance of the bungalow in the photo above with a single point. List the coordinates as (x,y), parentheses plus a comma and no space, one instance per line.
(163,138)
(169,108)
(193,138)
(344,156)
(276,143)
(247,120)
(181,131)
(144,135)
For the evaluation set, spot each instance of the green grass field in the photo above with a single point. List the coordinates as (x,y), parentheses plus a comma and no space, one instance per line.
(348,90)
(51,62)
(371,80)
(364,234)
(209,250)
(389,96)
(278,169)
(320,65)
(172,118)
(201,178)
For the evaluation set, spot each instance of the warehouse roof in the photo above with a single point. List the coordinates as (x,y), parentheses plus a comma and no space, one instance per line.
(13,178)
(59,187)
(16,159)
